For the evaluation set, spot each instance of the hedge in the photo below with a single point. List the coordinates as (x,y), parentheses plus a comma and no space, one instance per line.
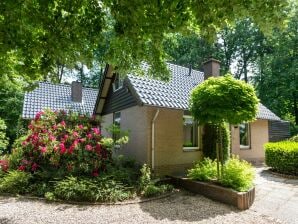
(282,157)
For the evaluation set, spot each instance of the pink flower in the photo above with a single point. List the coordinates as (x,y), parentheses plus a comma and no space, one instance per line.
(21,168)
(30,126)
(34,167)
(75,142)
(80,126)
(56,148)
(24,143)
(4,165)
(52,138)
(98,148)
(55,127)
(65,137)
(75,134)
(38,115)
(89,136)
(82,139)
(96,131)
(63,123)
(88,147)
(71,148)
(62,148)
(43,149)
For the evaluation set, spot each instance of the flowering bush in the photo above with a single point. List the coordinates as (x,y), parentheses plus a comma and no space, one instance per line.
(69,142)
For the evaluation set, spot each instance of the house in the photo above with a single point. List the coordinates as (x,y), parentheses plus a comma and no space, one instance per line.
(72,97)
(162,131)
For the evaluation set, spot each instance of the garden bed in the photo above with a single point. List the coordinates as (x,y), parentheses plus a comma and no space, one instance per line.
(241,200)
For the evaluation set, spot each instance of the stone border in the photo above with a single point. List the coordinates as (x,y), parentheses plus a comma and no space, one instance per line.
(127,202)
(241,200)
(282,174)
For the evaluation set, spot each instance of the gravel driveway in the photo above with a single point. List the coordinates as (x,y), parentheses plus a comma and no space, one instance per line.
(181,207)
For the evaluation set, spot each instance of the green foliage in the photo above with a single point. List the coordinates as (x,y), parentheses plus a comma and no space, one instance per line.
(3,138)
(31,47)
(210,138)
(204,170)
(294,138)
(224,99)
(282,156)
(238,174)
(145,179)
(15,182)
(153,190)
(11,102)
(102,189)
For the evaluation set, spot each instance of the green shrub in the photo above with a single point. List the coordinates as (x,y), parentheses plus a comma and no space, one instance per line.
(102,188)
(238,174)
(3,139)
(294,138)
(203,170)
(282,156)
(152,190)
(145,179)
(15,182)
(210,137)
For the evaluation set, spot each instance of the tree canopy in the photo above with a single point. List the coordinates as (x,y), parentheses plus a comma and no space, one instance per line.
(224,99)
(38,37)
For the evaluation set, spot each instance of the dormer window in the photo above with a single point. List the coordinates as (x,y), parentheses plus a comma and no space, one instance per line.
(118,82)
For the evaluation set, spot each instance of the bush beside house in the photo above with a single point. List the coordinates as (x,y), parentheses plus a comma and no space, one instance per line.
(282,156)
(64,156)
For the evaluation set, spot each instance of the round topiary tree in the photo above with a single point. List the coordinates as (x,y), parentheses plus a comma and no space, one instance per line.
(223,100)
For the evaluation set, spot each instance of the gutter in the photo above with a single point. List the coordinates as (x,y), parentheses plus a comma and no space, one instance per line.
(153,140)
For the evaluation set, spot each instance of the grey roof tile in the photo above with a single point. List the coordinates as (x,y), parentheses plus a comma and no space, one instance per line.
(176,93)
(57,97)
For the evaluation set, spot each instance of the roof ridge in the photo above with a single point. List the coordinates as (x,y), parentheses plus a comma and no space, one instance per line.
(64,84)
(171,63)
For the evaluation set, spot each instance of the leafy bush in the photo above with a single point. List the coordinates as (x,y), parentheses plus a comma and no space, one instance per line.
(102,188)
(210,138)
(294,138)
(3,139)
(15,182)
(60,141)
(145,179)
(203,170)
(282,156)
(238,174)
(153,190)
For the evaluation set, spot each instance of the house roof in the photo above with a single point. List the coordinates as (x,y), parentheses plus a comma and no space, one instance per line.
(57,97)
(176,93)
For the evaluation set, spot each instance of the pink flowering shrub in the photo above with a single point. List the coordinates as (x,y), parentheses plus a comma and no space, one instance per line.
(69,143)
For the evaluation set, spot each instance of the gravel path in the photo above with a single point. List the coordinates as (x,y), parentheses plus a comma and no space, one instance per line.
(181,207)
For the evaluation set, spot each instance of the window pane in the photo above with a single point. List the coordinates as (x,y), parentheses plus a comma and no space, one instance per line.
(244,134)
(190,132)
(118,82)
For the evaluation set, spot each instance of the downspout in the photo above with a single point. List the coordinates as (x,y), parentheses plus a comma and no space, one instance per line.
(153,140)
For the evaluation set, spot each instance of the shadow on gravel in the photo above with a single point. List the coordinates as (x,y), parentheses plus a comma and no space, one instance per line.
(5,221)
(269,176)
(185,206)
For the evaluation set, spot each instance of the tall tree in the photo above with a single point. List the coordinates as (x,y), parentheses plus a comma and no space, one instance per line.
(277,78)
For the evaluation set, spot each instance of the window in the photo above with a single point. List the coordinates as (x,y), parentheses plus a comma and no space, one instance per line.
(191,133)
(244,131)
(118,82)
(116,125)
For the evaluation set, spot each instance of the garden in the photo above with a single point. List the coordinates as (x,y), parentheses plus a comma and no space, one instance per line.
(65,157)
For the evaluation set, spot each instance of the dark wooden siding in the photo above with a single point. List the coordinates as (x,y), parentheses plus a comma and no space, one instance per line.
(118,100)
(278,130)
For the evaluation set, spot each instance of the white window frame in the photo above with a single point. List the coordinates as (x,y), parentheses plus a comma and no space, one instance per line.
(248,136)
(193,148)
(120,82)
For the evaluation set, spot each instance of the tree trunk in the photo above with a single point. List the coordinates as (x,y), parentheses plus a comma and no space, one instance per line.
(295,108)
